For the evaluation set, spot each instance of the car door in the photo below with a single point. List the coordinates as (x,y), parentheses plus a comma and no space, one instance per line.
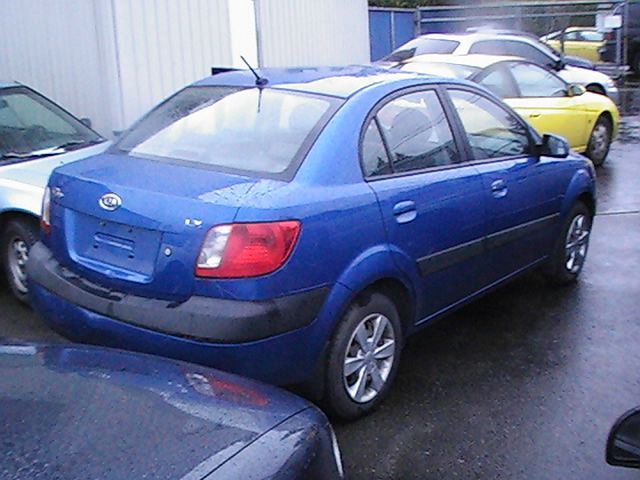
(432,205)
(521,193)
(544,101)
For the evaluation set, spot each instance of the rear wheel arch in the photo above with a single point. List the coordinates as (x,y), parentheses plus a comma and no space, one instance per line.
(8,215)
(587,199)
(397,292)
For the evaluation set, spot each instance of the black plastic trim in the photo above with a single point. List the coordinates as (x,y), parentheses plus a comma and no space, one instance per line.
(460,253)
(201,318)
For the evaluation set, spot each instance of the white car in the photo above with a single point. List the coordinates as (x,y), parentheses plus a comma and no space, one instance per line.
(515,45)
(36,136)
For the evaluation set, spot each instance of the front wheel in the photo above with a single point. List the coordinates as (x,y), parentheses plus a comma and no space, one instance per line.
(363,356)
(570,252)
(600,141)
(18,238)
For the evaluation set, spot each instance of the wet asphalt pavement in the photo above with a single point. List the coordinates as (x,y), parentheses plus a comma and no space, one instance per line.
(524,383)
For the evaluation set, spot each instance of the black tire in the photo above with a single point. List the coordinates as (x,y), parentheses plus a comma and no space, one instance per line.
(600,141)
(18,237)
(559,270)
(337,400)
(635,62)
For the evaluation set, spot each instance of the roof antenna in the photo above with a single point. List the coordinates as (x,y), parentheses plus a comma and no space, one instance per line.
(260,81)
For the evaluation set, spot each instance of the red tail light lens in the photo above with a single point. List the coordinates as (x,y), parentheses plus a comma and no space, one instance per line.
(609,36)
(45,217)
(245,250)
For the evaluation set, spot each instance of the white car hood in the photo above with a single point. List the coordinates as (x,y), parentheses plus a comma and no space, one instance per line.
(584,76)
(36,172)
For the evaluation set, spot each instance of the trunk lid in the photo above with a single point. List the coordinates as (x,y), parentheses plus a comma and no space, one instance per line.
(134,223)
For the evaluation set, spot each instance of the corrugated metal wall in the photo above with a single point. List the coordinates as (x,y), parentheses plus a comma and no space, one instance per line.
(165,44)
(52,46)
(112,60)
(312,32)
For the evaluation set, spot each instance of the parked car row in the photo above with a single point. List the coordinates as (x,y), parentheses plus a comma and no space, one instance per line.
(295,226)
(295,248)
(570,69)
(221,266)
(588,121)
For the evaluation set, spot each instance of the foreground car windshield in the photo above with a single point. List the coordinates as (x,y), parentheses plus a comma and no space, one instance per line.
(260,131)
(31,126)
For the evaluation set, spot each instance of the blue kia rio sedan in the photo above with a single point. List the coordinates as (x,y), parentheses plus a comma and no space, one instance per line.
(297,226)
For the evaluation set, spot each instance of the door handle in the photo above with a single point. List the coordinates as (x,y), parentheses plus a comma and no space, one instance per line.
(534,115)
(499,188)
(405,211)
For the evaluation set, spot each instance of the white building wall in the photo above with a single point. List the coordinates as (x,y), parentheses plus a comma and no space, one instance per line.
(112,60)
(312,32)
(163,45)
(52,46)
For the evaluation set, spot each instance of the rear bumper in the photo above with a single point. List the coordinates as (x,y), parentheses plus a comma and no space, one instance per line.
(281,360)
(199,318)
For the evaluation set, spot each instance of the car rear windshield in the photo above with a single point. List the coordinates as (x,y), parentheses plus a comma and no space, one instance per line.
(262,131)
(421,46)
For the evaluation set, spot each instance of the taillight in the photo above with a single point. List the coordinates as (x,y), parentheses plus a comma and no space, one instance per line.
(608,36)
(45,218)
(243,250)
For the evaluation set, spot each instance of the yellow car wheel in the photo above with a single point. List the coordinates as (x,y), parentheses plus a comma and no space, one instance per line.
(600,141)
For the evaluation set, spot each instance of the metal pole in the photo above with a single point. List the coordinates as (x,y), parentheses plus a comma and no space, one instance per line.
(393,30)
(619,49)
(257,19)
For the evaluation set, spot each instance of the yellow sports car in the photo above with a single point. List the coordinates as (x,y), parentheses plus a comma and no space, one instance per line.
(579,41)
(587,120)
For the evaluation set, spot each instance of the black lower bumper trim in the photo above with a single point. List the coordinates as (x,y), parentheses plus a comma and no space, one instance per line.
(202,318)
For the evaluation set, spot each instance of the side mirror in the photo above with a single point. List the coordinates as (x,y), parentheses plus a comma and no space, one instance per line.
(553,146)
(623,445)
(575,90)
(560,64)
(86,122)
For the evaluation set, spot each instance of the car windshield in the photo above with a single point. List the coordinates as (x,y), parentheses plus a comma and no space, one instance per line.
(31,126)
(422,46)
(440,69)
(247,130)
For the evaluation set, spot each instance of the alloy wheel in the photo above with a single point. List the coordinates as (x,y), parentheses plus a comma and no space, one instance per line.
(17,258)
(599,140)
(369,358)
(576,243)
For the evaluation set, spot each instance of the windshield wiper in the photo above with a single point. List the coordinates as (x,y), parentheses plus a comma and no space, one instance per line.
(77,143)
(55,150)
(28,154)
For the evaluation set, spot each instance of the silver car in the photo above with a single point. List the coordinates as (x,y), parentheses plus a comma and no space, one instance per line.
(36,136)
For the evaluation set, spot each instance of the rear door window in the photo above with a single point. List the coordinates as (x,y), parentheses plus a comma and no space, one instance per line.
(417,132)
(375,160)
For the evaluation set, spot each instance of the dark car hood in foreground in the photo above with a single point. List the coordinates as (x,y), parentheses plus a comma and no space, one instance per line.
(84,412)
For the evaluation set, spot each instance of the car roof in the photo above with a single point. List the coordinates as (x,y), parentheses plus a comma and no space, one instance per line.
(333,81)
(476,60)
(8,83)
(484,35)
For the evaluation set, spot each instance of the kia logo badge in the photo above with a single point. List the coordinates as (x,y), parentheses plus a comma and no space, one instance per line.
(110,201)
